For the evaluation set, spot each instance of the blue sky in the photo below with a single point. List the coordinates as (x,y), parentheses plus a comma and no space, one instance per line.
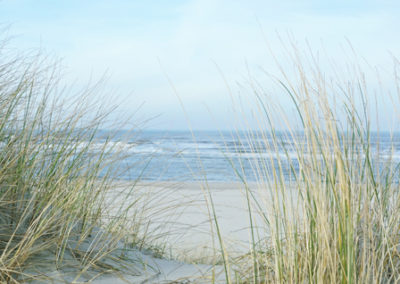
(140,43)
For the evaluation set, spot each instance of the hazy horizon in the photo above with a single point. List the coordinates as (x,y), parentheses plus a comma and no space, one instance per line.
(195,47)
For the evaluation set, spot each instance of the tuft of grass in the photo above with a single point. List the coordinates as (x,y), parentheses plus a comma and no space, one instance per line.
(327,197)
(55,177)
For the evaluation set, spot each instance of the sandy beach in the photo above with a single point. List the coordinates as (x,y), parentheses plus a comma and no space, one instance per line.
(178,222)
(181,215)
(178,215)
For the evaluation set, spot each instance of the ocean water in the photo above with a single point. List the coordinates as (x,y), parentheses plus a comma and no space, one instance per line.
(221,156)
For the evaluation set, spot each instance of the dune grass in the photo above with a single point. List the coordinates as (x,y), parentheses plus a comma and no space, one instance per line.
(54,176)
(326,208)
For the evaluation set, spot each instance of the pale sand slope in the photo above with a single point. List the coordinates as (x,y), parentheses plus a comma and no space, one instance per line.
(178,216)
(179,213)
(133,267)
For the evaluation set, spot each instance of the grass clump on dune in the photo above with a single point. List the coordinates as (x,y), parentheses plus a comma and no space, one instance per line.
(326,208)
(54,176)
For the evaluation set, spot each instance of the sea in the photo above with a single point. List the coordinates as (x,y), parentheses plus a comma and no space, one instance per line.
(163,155)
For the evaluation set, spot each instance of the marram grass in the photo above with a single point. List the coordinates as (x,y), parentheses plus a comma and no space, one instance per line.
(53,185)
(335,220)
(336,217)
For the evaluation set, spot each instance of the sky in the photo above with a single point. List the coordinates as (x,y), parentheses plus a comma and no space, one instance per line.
(168,58)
